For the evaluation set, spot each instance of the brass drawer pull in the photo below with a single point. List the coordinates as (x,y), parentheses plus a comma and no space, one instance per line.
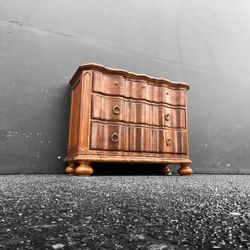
(116,83)
(116,110)
(169,142)
(115,137)
(167,117)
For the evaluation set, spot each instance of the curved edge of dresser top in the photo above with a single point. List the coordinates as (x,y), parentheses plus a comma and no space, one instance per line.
(126,74)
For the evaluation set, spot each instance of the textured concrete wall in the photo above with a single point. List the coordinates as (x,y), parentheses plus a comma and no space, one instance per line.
(204,43)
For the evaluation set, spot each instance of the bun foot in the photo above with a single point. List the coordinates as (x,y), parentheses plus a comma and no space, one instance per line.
(70,169)
(165,170)
(185,169)
(84,169)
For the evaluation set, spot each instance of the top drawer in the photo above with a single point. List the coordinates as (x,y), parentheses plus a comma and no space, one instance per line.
(119,86)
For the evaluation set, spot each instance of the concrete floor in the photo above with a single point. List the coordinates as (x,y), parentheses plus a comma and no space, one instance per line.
(124,212)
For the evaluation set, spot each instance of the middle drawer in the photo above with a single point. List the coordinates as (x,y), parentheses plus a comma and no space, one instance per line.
(118,109)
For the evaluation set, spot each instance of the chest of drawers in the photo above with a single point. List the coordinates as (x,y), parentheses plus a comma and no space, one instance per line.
(118,116)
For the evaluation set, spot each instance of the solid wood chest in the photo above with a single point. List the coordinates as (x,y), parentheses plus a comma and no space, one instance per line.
(118,116)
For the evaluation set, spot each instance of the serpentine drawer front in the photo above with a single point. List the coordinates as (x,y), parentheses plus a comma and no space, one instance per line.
(137,138)
(118,116)
(138,112)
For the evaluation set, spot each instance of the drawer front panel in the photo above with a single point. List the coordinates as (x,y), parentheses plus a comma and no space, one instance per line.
(119,86)
(137,139)
(117,109)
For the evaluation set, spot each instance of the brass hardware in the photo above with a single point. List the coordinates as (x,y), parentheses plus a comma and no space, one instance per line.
(116,83)
(114,137)
(116,109)
(169,142)
(167,117)
(167,93)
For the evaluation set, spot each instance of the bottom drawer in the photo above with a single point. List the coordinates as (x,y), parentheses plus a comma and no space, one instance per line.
(137,139)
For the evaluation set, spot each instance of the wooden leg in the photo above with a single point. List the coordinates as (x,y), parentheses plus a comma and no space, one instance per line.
(84,169)
(185,169)
(165,170)
(70,169)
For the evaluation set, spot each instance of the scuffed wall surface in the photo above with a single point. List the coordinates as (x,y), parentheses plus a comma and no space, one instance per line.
(204,43)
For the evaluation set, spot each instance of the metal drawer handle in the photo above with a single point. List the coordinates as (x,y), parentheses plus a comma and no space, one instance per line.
(115,137)
(116,83)
(169,142)
(167,117)
(116,110)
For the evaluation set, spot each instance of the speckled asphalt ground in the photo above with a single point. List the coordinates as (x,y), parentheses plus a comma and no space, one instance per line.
(124,212)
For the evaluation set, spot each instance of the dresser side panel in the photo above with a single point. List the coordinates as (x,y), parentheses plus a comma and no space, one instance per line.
(186,118)
(74,123)
(85,110)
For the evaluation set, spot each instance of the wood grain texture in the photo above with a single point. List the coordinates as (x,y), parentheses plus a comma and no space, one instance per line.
(118,116)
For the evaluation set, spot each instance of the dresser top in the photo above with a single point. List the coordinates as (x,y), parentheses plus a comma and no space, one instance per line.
(126,74)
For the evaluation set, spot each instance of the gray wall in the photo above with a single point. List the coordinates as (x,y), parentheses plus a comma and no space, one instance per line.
(204,43)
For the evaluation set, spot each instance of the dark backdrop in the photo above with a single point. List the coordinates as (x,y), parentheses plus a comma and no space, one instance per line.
(204,43)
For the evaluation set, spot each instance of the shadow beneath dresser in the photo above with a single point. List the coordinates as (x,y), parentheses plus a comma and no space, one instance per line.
(126,169)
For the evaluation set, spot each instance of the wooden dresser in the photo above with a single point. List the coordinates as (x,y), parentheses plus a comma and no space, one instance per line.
(122,117)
